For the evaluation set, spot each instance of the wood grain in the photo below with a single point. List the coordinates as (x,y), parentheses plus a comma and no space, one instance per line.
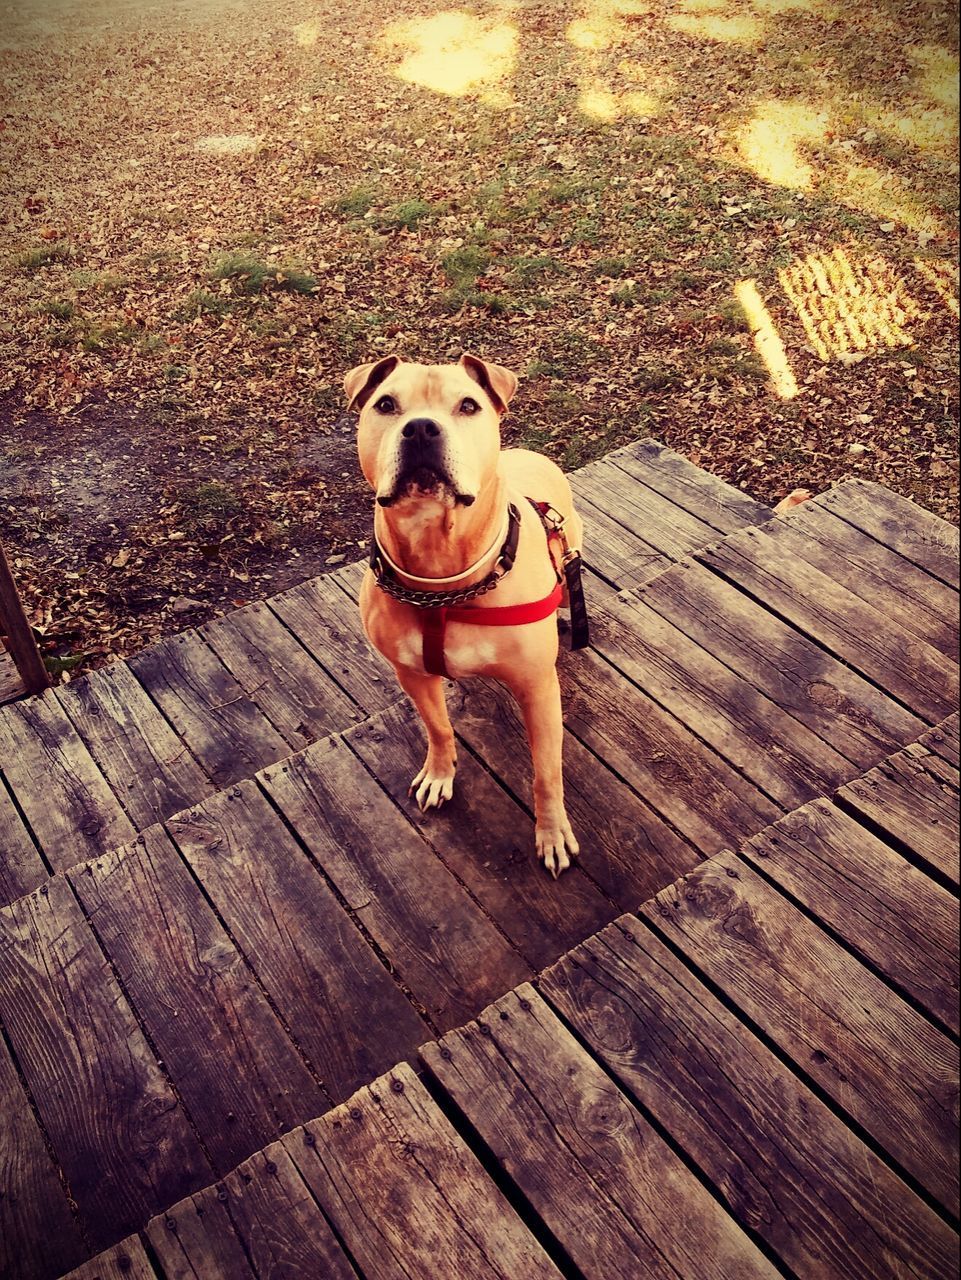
(607,1186)
(39,1235)
(348,1015)
(944,741)
(118,1129)
(196,1239)
(21,867)
(124,1261)
(240,1077)
(907,799)
(782,1162)
(760,561)
(64,796)
(440,943)
(487,840)
(224,729)
(841,707)
(619,555)
(881,1062)
(148,767)
(293,691)
(887,910)
(406,1195)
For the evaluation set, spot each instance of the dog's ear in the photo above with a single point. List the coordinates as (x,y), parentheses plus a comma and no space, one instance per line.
(499,383)
(361,383)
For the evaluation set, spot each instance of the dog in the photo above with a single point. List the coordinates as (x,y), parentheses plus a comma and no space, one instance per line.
(465,576)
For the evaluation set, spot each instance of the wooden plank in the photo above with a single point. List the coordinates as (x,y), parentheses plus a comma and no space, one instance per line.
(666,527)
(327,623)
(619,555)
(404,1193)
(882,1063)
(922,605)
(898,523)
(698,492)
(701,796)
(784,758)
(604,1182)
(886,910)
(626,848)
(118,1130)
(487,840)
(11,685)
(124,1261)
(349,1017)
(442,946)
(39,1235)
(782,1162)
(240,1077)
(64,796)
(224,729)
(848,712)
(944,741)
(22,868)
(912,805)
(20,637)
(261,1220)
(293,691)
(149,768)
(912,671)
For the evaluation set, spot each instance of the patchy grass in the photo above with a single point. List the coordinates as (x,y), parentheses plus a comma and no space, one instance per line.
(45,255)
(405,216)
(250,274)
(201,302)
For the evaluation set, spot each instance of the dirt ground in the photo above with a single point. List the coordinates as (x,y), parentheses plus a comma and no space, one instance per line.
(211,209)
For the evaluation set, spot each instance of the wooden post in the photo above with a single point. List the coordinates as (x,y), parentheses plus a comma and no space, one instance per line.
(13,621)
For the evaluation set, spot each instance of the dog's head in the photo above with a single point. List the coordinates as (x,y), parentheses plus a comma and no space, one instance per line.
(429,431)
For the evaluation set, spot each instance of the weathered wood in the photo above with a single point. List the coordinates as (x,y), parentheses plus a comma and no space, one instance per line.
(119,1131)
(619,555)
(680,778)
(437,939)
(327,623)
(695,491)
(944,741)
(64,796)
(405,1194)
(784,758)
(625,847)
(666,527)
(148,767)
(921,677)
(841,707)
(349,1018)
(276,1227)
(21,867)
(783,1163)
(11,683)
(293,691)
(240,1077)
(922,605)
(487,840)
(607,1186)
(898,523)
(886,910)
(910,803)
(124,1261)
(38,1234)
(20,637)
(224,729)
(881,1062)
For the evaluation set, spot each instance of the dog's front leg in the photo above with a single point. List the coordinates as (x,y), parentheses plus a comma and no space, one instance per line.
(540,702)
(435,782)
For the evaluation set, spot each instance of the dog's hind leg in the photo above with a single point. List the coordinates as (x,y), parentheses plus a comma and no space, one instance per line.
(435,782)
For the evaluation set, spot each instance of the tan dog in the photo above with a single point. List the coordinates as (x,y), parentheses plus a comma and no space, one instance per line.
(429,445)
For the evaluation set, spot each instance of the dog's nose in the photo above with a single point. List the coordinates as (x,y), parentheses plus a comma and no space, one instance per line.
(420,430)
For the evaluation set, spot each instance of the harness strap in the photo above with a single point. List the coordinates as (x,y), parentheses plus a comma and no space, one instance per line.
(434,623)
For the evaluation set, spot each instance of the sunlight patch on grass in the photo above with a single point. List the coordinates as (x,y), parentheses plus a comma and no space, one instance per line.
(884,194)
(227,144)
(306,34)
(943,279)
(939,73)
(767,340)
(454,53)
(738,28)
(770,143)
(597,102)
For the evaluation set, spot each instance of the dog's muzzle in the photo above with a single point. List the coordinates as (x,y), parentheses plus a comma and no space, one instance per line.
(423,469)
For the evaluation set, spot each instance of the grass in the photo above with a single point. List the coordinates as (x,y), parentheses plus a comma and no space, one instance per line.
(201,302)
(44,255)
(251,275)
(209,502)
(405,216)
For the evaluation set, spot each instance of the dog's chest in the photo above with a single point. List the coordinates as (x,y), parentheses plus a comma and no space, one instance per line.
(468,651)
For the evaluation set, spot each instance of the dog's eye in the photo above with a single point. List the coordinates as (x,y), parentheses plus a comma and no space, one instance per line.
(469,406)
(385,404)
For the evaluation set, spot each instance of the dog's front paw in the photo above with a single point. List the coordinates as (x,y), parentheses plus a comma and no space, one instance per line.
(433,785)
(556,846)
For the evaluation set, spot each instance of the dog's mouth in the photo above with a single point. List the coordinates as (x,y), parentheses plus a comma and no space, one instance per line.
(424,481)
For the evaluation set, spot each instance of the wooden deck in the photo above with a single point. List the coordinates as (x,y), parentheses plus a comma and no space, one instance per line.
(226,927)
